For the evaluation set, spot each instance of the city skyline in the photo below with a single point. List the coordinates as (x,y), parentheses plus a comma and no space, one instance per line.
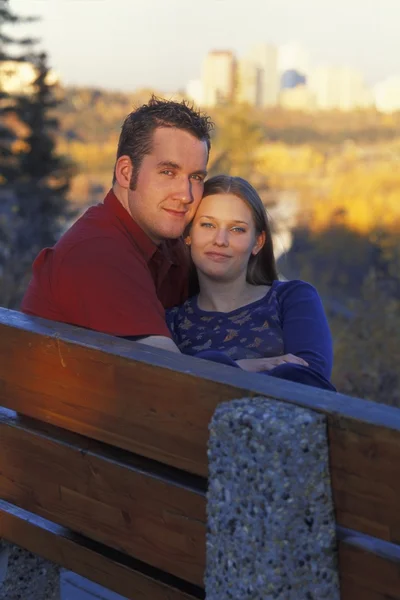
(268,76)
(116,44)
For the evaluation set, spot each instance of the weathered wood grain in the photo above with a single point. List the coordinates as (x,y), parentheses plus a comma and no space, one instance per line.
(158,405)
(369,568)
(111,569)
(365,475)
(121,501)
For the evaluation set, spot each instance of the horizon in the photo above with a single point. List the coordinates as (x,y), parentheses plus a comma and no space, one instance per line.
(171,40)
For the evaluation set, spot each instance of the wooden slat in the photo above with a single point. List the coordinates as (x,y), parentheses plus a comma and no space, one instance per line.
(369,568)
(159,405)
(350,590)
(111,569)
(125,503)
(365,475)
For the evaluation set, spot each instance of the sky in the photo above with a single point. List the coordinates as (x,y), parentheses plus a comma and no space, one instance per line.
(131,44)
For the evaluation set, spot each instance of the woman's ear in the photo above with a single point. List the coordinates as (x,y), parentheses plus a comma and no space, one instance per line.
(260,241)
(188,240)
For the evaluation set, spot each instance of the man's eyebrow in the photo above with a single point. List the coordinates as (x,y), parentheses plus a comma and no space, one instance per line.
(169,163)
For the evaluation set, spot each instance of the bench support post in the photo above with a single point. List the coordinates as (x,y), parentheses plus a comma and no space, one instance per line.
(271,528)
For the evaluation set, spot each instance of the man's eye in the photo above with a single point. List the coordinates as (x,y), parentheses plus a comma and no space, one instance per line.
(166,172)
(197,178)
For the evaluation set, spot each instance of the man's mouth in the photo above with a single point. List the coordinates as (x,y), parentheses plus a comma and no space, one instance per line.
(176,213)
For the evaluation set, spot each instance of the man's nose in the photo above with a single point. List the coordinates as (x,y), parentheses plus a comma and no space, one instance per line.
(183,190)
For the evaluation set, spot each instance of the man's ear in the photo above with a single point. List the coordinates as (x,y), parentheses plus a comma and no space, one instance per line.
(124,171)
(259,243)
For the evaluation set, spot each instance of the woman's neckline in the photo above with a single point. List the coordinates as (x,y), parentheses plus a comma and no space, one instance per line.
(210,313)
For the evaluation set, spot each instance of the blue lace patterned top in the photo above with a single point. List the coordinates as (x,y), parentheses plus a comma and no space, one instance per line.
(288,319)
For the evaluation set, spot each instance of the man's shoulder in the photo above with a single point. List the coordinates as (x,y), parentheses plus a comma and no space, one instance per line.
(93,235)
(92,223)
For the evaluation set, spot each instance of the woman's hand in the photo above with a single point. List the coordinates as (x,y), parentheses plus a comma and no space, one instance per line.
(255,365)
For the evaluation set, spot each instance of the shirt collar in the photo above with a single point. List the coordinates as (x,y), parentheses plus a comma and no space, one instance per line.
(168,249)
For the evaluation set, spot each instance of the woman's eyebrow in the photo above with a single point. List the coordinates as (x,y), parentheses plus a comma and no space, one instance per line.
(215,219)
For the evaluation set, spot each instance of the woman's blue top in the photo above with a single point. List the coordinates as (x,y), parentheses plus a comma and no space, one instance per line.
(289,319)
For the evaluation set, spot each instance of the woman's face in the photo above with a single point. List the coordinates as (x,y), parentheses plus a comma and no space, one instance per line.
(223,237)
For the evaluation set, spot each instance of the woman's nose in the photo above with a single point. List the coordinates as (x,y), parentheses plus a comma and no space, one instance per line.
(221,237)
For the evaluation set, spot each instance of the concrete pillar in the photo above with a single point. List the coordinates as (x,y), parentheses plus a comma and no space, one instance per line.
(271,528)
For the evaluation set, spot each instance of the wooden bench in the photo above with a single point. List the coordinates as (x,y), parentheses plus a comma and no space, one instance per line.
(103,454)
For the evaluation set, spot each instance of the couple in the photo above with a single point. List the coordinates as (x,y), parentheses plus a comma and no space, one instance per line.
(124,262)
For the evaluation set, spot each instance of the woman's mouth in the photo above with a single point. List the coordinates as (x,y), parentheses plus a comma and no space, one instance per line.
(217,256)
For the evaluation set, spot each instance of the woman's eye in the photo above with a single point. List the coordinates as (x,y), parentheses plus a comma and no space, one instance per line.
(206,225)
(239,229)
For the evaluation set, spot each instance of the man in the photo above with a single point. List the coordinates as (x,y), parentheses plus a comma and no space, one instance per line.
(124,261)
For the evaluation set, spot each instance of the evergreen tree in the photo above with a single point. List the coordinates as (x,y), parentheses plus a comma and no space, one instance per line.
(45,176)
(35,180)
(12,49)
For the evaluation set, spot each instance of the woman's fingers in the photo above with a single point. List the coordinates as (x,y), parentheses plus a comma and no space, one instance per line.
(271,363)
(267,364)
(291,358)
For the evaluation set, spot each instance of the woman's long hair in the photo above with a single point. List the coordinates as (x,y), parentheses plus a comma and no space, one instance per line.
(261,269)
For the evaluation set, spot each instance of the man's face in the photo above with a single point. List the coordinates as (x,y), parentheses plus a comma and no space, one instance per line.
(169,184)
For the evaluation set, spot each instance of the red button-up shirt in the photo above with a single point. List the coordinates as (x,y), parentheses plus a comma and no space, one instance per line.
(106,274)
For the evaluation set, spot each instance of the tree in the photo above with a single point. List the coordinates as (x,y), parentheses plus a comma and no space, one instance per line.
(33,205)
(236,145)
(45,176)
(12,50)
(367,349)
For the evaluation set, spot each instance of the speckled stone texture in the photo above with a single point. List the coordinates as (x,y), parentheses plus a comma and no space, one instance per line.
(29,577)
(271,532)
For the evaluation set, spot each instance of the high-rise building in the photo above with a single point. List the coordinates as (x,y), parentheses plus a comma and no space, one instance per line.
(194,91)
(218,77)
(291,79)
(247,82)
(387,95)
(265,59)
(297,98)
(339,88)
(293,56)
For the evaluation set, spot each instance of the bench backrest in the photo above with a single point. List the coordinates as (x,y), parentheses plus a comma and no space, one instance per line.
(106,470)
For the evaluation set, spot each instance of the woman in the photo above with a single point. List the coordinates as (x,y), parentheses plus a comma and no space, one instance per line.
(243,315)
